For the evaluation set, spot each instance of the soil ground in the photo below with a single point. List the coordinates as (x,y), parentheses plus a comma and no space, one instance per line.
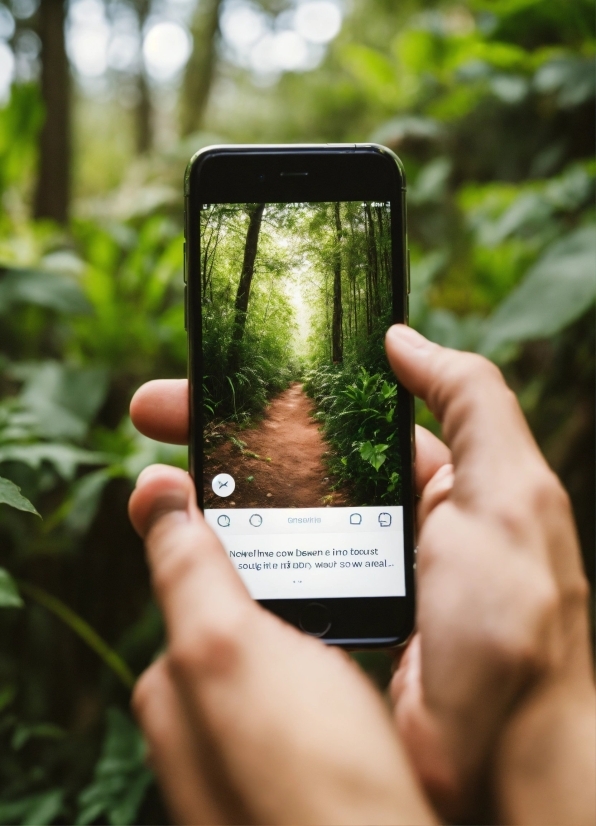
(280,462)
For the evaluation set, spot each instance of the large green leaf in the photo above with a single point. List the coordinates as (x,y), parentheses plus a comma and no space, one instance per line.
(9,595)
(35,809)
(62,399)
(46,289)
(11,495)
(64,458)
(554,292)
(121,776)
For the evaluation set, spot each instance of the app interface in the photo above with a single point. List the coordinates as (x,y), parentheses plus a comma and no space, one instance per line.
(301,466)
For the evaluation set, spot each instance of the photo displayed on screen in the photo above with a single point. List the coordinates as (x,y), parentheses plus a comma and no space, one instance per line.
(301,468)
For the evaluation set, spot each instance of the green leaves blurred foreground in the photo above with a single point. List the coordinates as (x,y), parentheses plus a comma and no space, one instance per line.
(490,106)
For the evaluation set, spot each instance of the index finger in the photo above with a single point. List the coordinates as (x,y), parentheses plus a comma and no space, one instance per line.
(481,418)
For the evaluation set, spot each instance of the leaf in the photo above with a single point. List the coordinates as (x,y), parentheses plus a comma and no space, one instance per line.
(431,183)
(45,810)
(64,458)
(63,399)
(9,595)
(11,495)
(373,454)
(52,290)
(25,731)
(121,777)
(554,292)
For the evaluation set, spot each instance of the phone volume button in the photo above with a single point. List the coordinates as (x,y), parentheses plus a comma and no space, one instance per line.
(185,307)
(408,272)
(184,262)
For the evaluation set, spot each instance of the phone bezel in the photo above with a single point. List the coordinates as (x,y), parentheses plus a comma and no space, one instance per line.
(345,172)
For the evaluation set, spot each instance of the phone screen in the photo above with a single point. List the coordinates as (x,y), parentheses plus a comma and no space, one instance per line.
(302,476)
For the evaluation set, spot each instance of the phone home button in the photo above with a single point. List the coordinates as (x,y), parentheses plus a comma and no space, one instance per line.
(315,619)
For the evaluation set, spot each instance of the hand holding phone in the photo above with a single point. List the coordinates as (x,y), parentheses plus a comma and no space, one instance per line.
(503,681)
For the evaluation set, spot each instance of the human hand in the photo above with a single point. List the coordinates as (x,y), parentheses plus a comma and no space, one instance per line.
(248,720)
(496,685)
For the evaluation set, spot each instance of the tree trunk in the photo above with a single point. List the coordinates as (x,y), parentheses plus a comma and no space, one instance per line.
(246,276)
(143,117)
(198,77)
(337,355)
(52,195)
(144,109)
(373,263)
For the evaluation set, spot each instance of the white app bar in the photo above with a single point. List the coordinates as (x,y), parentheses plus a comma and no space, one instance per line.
(306,553)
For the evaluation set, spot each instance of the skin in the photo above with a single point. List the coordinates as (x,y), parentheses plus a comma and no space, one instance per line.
(248,720)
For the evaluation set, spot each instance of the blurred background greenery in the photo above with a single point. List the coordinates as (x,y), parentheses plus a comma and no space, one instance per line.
(490,104)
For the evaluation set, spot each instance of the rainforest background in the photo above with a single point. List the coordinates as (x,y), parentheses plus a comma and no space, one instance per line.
(490,105)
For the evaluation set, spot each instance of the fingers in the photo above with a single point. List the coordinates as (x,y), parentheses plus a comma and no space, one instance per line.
(431,454)
(159,409)
(482,422)
(173,749)
(421,732)
(199,591)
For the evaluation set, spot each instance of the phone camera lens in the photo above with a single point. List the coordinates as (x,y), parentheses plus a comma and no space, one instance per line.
(261,178)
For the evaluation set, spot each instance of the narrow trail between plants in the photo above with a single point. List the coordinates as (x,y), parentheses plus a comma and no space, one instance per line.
(278,463)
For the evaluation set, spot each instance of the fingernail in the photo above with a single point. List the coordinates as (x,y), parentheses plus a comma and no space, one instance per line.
(404,336)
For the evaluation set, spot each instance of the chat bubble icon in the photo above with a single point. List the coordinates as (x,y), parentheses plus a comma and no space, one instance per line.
(384,520)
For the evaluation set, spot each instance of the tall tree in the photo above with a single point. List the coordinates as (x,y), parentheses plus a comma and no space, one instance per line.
(143,109)
(255,216)
(52,195)
(337,355)
(200,70)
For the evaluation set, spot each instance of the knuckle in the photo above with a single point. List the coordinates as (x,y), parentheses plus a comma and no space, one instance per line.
(143,693)
(525,647)
(548,494)
(214,649)
(456,375)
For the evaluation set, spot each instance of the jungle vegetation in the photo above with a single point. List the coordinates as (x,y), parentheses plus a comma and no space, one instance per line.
(490,105)
(304,291)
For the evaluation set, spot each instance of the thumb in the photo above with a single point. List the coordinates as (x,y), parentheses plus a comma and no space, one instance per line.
(194,581)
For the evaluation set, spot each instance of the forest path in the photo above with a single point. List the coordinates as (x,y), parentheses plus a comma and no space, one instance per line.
(281,464)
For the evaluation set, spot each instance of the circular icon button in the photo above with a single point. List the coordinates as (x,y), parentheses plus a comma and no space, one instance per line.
(256,520)
(223,520)
(223,484)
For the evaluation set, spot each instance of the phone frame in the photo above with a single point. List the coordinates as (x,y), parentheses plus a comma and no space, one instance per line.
(334,172)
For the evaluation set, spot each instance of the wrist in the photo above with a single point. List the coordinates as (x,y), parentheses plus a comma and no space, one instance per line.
(545,767)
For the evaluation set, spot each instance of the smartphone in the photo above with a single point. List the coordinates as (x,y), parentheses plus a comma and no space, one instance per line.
(301,439)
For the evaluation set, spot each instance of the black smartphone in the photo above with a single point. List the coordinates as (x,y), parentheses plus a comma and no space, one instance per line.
(301,440)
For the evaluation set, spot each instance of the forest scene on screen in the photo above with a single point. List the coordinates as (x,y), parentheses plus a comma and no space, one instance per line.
(299,405)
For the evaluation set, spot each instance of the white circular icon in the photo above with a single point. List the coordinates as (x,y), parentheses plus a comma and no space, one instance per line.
(223,484)
(256,520)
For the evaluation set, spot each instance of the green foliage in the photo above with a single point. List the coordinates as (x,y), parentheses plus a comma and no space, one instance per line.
(121,775)
(9,594)
(11,495)
(357,410)
(489,103)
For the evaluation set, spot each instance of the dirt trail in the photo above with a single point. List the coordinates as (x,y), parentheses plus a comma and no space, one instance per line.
(289,472)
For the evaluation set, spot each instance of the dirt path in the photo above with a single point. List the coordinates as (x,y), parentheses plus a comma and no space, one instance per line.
(280,463)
